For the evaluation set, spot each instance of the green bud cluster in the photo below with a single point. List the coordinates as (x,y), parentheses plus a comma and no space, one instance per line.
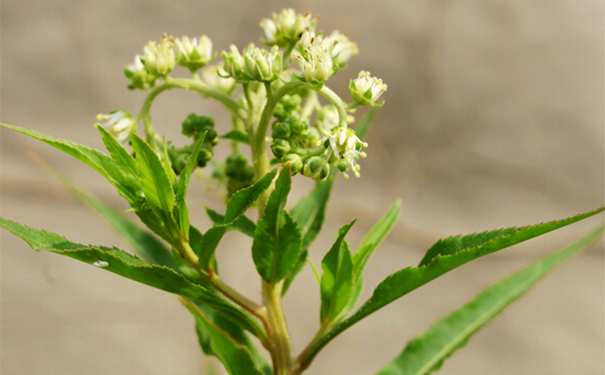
(239,173)
(193,127)
(288,106)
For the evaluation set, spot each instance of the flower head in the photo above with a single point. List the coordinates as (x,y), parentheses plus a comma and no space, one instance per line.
(343,50)
(160,57)
(119,123)
(216,77)
(366,89)
(195,53)
(287,27)
(314,55)
(342,143)
(254,64)
(139,75)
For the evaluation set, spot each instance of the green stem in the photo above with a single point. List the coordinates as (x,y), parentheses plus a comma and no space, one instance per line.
(280,340)
(340,105)
(300,366)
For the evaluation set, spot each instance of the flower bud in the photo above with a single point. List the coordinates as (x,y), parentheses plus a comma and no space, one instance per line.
(138,75)
(314,56)
(281,130)
(312,138)
(299,128)
(280,147)
(214,76)
(286,27)
(317,168)
(366,89)
(294,161)
(234,64)
(263,65)
(194,54)
(343,50)
(160,58)
(119,123)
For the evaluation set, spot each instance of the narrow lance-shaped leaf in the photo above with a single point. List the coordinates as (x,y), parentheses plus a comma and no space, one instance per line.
(277,240)
(155,182)
(337,278)
(100,162)
(237,206)
(122,158)
(427,352)
(131,267)
(182,186)
(236,357)
(404,281)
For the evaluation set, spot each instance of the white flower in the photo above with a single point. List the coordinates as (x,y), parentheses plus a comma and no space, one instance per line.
(195,53)
(216,77)
(346,147)
(286,27)
(119,123)
(366,89)
(314,55)
(139,76)
(343,50)
(160,58)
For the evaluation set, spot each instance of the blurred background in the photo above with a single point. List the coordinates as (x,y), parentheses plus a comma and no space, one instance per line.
(493,118)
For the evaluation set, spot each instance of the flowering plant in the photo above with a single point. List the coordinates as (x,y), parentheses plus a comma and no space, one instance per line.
(274,97)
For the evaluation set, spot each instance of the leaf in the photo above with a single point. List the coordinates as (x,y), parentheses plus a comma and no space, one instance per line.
(277,241)
(236,135)
(182,186)
(122,158)
(404,281)
(337,278)
(310,212)
(91,157)
(155,183)
(241,224)
(236,357)
(131,267)
(427,352)
(145,244)
(374,237)
(237,206)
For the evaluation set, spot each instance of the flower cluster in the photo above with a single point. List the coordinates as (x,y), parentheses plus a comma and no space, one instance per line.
(286,28)
(255,64)
(194,54)
(160,58)
(366,89)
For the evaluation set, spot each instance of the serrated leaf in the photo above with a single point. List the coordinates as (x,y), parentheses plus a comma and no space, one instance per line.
(91,157)
(374,237)
(182,186)
(236,135)
(404,281)
(427,352)
(145,244)
(277,241)
(236,357)
(336,278)
(122,158)
(131,267)
(241,224)
(155,183)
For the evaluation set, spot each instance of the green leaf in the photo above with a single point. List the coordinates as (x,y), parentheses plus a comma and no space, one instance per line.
(236,357)
(241,224)
(427,352)
(145,244)
(100,162)
(244,198)
(155,183)
(236,135)
(131,267)
(277,241)
(337,278)
(408,279)
(122,158)
(374,237)
(310,212)
(182,186)
(210,242)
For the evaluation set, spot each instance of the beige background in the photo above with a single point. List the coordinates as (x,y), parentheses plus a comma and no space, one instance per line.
(494,117)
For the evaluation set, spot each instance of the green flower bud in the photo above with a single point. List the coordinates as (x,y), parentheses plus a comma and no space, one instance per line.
(280,147)
(195,125)
(216,77)
(298,127)
(234,64)
(263,65)
(286,27)
(138,75)
(194,54)
(294,161)
(160,58)
(366,89)
(281,130)
(317,168)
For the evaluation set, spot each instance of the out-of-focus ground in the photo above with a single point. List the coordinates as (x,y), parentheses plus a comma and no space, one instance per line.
(493,117)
